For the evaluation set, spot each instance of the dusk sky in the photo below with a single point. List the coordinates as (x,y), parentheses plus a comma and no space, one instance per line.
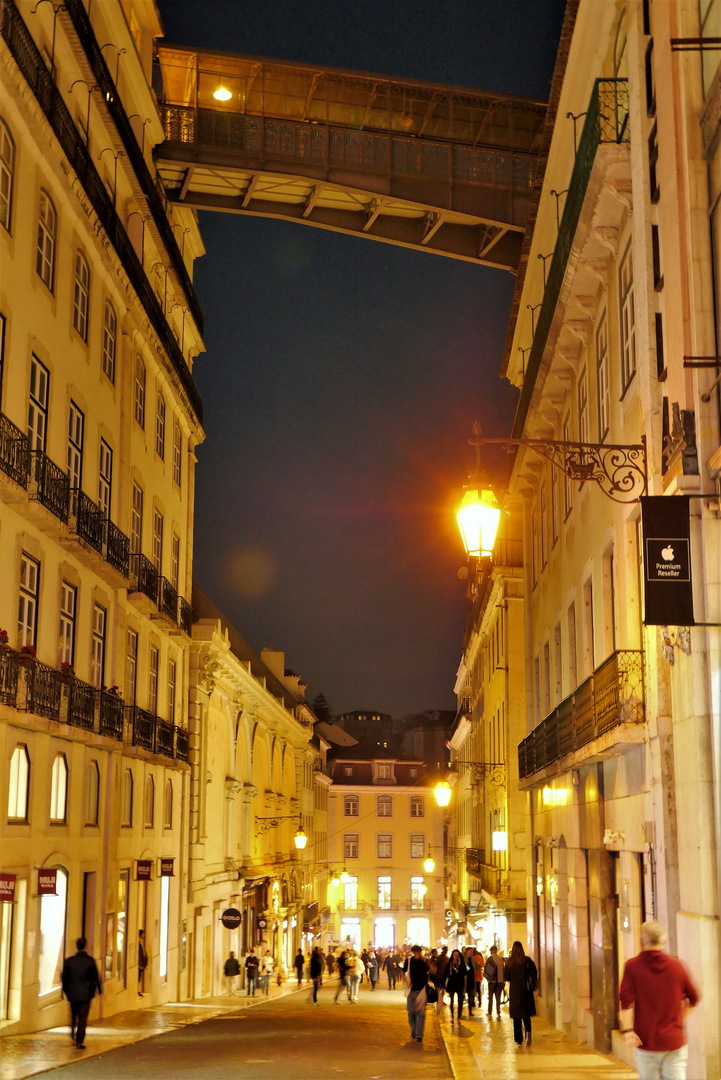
(342,376)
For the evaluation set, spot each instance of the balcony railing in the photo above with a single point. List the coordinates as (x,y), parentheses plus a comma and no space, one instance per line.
(606,122)
(389,905)
(185,616)
(490,879)
(164,737)
(168,600)
(81,703)
(42,688)
(112,715)
(142,725)
(182,744)
(117,550)
(89,519)
(8,675)
(419,905)
(613,695)
(144,576)
(52,487)
(13,451)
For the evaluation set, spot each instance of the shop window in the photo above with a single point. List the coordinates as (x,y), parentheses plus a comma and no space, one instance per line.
(53,911)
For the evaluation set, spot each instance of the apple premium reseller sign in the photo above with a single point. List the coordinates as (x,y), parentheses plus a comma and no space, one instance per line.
(668,590)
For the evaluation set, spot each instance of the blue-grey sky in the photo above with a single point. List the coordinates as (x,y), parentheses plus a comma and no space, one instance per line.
(342,375)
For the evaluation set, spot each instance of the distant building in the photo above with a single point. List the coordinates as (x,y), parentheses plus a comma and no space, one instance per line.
(334,734)
(368,725)
(425,735)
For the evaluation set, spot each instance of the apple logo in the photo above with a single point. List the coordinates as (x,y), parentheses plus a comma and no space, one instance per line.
(667,554)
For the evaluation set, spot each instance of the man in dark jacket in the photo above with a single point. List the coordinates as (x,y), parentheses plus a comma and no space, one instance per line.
(79,981)
(316,971)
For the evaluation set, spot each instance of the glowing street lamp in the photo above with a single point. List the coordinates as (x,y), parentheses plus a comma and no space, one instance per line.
(429,864)
(301,838)
(443,793)
(478,517)
(335,881)
(222,93)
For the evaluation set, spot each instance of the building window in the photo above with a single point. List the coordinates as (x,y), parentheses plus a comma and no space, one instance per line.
(59,789)
(105,479)
(347,770)
(172,678)
(413,772)
(38,405)
(136,520)
(19,789)
(583,427)
(350,846)
(160,427)
(68,604)
(127,803)
(418,846)
(28,606)
(110,340)
(81,303)
(140,391)
(149,803)
(76,433)
(385,846)
(417,806)
(153,679)
(131,666)
(97,647)
(177,452)
(418,893)
(628,318)
(158,541)
(384,893)
(385,806)
(7,173)
(604,384)
(47,232)
(53,914)
(92,794)
(350,894)
(168,805)
(175,561)
(384,772)
(350,806)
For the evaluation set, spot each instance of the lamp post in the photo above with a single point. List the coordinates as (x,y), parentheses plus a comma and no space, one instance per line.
(57,8)
(90,90)
(265,824)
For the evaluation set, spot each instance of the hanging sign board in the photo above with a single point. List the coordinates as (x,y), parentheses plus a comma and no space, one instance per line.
(166,868)
(47,882)
(668,589)
(7,888)
(142,869)
(230,918)
(262,923)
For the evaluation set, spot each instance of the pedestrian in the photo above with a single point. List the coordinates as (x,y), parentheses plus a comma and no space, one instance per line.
(493,972)
(397,966)
(353,974)
(388,967)
(330,962)
(455,981)
(79,981)
(477,961)
(372,968)
(470,979)
(316,971)
(232,971)
(299,964)
(521,975)
(251,972)
(142,962)
(440,980)
(342,980)
(416,980)
(656,996)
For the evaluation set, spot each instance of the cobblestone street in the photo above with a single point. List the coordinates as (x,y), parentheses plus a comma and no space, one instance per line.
(286,1037)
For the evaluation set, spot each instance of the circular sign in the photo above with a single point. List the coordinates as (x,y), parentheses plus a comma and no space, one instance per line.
(262,923)
(230,918)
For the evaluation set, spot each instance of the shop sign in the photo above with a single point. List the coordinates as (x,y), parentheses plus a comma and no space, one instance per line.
(262,923)
(668,589)
(47,882)
(166,868)
(143,869)
(7,888)
(230,918)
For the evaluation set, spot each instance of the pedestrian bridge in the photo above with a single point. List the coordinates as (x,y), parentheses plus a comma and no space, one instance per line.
(425,166)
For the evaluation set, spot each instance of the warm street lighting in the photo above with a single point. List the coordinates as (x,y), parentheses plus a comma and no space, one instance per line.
(478,517)
(499,840)
(301,838)
(345,877)
(335,881)
(222,94)
(443,793)
(429,864)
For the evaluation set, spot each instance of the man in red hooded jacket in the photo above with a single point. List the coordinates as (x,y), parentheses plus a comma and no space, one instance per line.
(657,993)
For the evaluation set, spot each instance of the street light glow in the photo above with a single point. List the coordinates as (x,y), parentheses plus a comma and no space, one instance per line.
(443,793)
(429,863)
(222,94)
(300,838)
(478,517)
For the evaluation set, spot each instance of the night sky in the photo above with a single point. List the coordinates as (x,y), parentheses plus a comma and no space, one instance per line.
(342,375)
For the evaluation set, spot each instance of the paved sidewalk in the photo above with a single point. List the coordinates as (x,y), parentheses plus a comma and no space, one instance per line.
(38,1052)
(483,1049)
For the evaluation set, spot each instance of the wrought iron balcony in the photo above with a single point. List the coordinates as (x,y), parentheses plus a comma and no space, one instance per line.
(51,486)
(13,451)
(8,675)
(41,685)
(612,696)
(185,616)
(142,724)
(389,905)
(419,905)
(89,520)
(168,600)
(182,744)
(164,737)
(145,577)
(117,550)
(112,715)
(81,701)
(490,879)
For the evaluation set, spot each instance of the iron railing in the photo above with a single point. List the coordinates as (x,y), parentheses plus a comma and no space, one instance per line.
(8,675)
(52,487)
(42,688)
(182,744)
(613,695)
(13,451)
(490,879)
(142,725)
(185,616)
(89,519)
(144,576)
(168,599)
(117,549)
(111,715)
(606,122)
(33,68)
(164,737)
(81,703)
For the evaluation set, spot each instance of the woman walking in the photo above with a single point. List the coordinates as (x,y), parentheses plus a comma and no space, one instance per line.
(521,975)
(455,977)
(353,974)
(372,968)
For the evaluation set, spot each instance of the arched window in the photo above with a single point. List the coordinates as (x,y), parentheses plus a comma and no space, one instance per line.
(7,175)
(53,911)
(19,788)
(385,806)
(47,235)
(139,407)
(149,802)
(127,804)
(417,806)
(350,806)
(160,427)
(82,295)
(110,338)
(92,794)
(59,789)
(168,805)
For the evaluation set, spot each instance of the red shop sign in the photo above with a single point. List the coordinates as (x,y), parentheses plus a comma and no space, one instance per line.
(142,869)
(47,882)
(166,868)
(7,888)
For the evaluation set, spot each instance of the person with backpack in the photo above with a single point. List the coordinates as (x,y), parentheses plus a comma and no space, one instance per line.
(521,974)
(493,973)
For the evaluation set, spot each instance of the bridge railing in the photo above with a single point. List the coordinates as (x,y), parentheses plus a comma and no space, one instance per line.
(338,147)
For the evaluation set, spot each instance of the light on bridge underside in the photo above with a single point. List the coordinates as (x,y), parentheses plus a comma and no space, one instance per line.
(222,94)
